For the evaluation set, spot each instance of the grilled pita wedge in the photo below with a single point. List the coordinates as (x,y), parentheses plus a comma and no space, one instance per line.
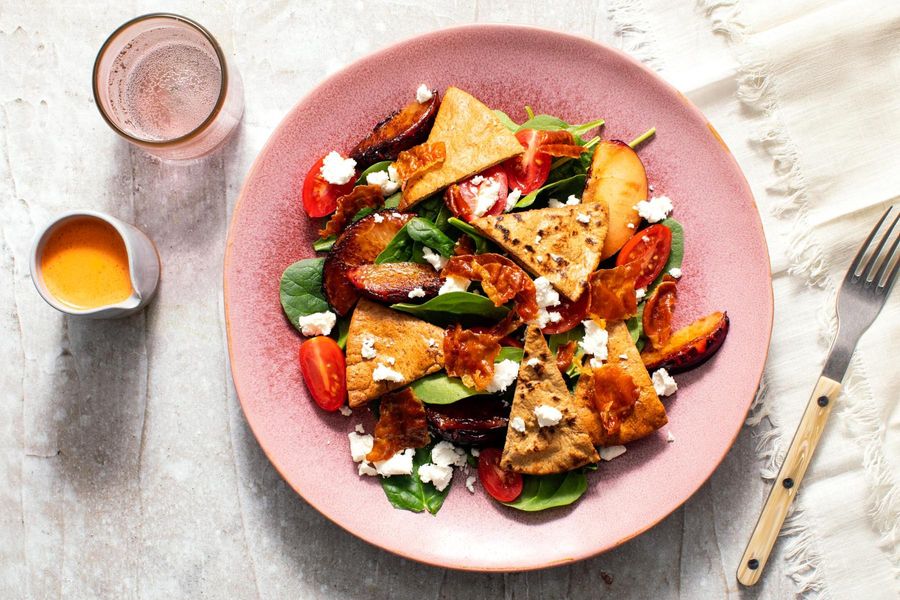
(552,242)
(474,139)
(649,413)
(415,346)
(544,450)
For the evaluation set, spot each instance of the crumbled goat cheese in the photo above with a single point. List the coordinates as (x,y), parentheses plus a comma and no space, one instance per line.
(446,454)
(545,295)
(433,258)
(360,445)
(475,452)
(486,196)
(367,350)
(399,464)
(359,428)
(365,468)
(319,323)
(436,474)
(416,293)
(470,483)
(547,416)
(423,94)
(477,180)
(378,218)
(511,200)
(345,410)
(611,452)
(669,437)
(518,424)
(675,272)
(595,340)
(336,169)
(505,373)
(383,179)
(545,317)
(572,200)
(630,226)
(595,363)
(583,218)
(663,383)
(533,362)
(655,209)
(454,284)
(640,293)
(383,373)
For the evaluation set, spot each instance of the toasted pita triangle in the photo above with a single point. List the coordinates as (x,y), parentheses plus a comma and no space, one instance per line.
(474,138)
(649,413)
(552,242)
(415,346)
(544,450)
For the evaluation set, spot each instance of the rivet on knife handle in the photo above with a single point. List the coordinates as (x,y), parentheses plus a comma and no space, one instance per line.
(788,481)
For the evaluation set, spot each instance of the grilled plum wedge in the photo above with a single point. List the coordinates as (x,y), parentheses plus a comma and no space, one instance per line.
(393,282)
(476,420)
(400,131)
(689,346)
(359,244)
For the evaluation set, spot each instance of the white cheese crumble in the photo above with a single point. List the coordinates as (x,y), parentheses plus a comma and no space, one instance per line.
(655,209)
(399,464)
(611,452)
(547,416)
(475,452)
(319,323)
(436,474)
(360,445)
(345,410)
(359,428)
(367,351)
(640,293)
(433,258)
(545,317)
(596,363)
(533,362)
(583,218)
(663,383)
(669,437)
(336,169)
(572,200)
(454,284)
(470,483)
(445,454)
(486,196)
(365,468)
(595,340)
(511,200)
(545,295)
(518,424)
(383,179)
(378,218)
(505,373)
(630,226)
(675,272)
(390,360)
(423,94)
(416,293)
(383,373)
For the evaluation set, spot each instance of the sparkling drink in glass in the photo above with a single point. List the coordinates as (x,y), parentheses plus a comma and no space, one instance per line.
(162,82)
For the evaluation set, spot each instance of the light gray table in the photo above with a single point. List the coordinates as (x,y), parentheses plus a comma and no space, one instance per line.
(126,467)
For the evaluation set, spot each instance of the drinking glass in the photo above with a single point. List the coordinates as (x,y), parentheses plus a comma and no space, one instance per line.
(162,82)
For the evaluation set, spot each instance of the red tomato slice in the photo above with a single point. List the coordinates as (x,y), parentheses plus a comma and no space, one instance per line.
(650,249)
(504,486)
(528,171)
(323,368)
(572,313)
(319,196)
(464,203)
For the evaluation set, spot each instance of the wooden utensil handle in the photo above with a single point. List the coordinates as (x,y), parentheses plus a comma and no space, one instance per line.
(788,481)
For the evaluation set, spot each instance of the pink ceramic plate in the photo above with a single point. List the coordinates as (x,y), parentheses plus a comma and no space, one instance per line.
(726,267)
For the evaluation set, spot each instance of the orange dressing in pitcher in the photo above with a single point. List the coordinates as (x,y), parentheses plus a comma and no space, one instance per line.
(85,264)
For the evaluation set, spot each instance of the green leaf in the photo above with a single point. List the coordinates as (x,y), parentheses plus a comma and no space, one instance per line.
(635,324)
(507,122)
(549,491)
(427,233)
(379,166)
(481,244)
(301,289)
(399,249)
(363,212)
(440,388)
(676,254)
(551,123)
(408,492)
(339,333)
(529,199)
(392,201)
(452,306)
(324,244)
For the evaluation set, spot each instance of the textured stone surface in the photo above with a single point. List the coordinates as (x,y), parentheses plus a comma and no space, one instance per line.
(126,467)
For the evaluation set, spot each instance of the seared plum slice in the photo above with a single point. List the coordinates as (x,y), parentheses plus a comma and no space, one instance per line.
(689,346)
(475,420)
(400,131)
(360,244)
(393,282)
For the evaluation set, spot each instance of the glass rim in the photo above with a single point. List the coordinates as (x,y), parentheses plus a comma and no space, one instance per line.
(220,101)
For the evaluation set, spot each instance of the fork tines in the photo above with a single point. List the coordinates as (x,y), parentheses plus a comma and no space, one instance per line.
(863,268)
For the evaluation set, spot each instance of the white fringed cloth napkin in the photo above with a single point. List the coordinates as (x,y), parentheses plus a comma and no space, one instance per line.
(807,95)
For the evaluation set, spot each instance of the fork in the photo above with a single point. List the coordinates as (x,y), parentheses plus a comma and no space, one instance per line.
(861,297)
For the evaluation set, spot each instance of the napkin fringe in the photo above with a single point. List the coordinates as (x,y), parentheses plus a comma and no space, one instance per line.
(631,26)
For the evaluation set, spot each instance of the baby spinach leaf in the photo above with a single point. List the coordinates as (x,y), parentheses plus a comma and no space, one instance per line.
(676,254)
(507,122)
(399,249)
(427,233)
(339,333)
(301,289)
(452,306)
(408,492)
(324,244)
(635,324)
(392,201)
(481,244)
(540,492)
(379,166)
(560,185)
(551,123)
(363,212)
(440,388)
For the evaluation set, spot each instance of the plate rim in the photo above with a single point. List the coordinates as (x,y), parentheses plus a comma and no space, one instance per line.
(475,27)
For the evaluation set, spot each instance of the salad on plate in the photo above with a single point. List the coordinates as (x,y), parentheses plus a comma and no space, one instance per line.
(499,295)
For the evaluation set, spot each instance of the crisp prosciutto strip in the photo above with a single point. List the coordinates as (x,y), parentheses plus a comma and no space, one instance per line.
(401,424)
(559,143)
(615,395)
(360,197)
(418,160)
(612,293)
(501,279)
(565,354)
(470,356)
(658,311)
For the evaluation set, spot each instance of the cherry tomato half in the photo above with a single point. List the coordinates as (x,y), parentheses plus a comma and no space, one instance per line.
(464,203)
(528,171)
(504,486)
(323,368)
(650,248)
(320,197)
(572,313)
